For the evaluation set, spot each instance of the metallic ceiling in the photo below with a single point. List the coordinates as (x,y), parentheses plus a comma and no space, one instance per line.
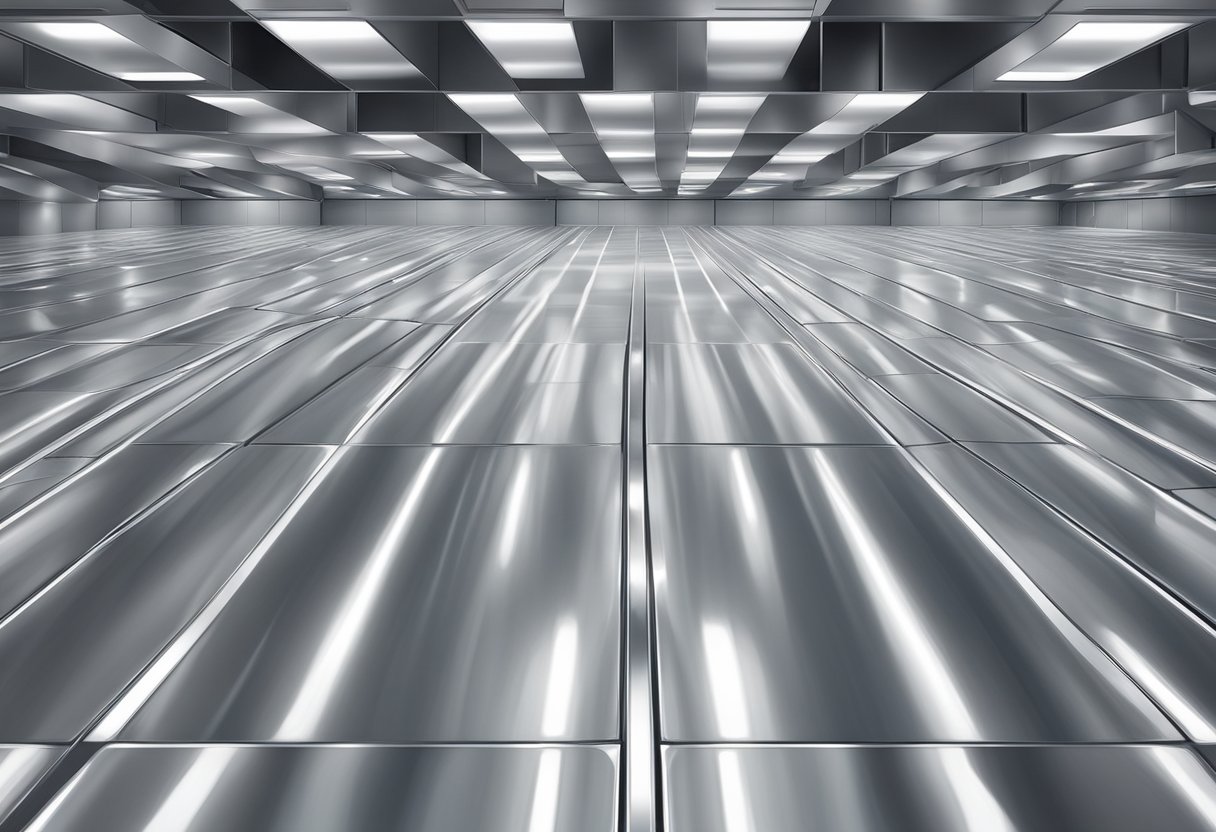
(966,99)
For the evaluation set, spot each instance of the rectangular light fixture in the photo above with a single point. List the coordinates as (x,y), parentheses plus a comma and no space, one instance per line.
(862,113)
(263,118)
(78,111)
(531,49)
(752,50)
(1089,46)
(508,120)
(719,123)
(624,125)
(97,46)
(348,50)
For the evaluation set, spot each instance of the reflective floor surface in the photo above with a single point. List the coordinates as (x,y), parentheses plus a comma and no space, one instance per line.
(579,530)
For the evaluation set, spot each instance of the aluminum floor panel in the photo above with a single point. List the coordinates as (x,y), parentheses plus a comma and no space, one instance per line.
(731,529)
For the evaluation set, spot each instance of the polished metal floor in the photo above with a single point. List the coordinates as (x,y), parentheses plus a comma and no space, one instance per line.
(701,530)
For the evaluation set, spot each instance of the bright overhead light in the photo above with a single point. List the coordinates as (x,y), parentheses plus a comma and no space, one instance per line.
(752,50)
(263,118)
(542,156)
(531,49)
(154,77)
(624,125)
(101,48)
(76,110)
(349,50)
(1089,46)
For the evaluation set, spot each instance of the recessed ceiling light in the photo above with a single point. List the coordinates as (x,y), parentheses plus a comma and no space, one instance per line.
(263,117)
(531,49)
(152,77)
(1089,46)
(752,50)
(349,50)
(101,48)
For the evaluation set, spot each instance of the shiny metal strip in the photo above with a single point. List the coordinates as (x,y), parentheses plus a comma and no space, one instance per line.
(639,766)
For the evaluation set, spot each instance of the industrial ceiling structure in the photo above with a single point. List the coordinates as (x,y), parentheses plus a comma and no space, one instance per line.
(332,99)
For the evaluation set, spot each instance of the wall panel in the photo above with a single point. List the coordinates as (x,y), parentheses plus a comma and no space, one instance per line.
(390,212)
(520,212)
(451,212)
(690,212)
(160,212)
(578,212)
(1195,214)
(800,212)
(744,212)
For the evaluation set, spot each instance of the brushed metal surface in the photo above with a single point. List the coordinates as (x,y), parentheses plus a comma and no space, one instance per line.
(938,789)
(507,393)
(580,513)
(20,767)
(322,789)
(421,595)
(827,595)
(171,561)
(746,394)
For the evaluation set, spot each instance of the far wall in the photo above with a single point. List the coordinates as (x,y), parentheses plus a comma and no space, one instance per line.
(1184,213)
(23,218)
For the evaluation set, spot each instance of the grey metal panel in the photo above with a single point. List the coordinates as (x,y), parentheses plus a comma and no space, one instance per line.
(155,213)
(746,393)
(963,212)
(1146,526)
(611,213)
(852,212)
(515,393)
(800,212)
(113,213)
(1111,213)
(578,212)
(215,212)
(334,416)
(395,212)
(262,212)
(20,767)
(242,406)
(373,587)
(451,212)
(1203,499)
(36,544)
(916,212)
(828,595)
(645,212)
(866,350)
(38,218)
(111,615)
(1160,644)
(344,212)
(299,212)
(520,212)
(78,216)
(9,213)
(1189,425)
(958,411)
(743,212)
(267,789)
(1135,214)
(120,367)
(939,789)
(26,485)
(690,212)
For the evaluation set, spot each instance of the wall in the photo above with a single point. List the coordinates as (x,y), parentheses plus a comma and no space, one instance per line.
(48,217)
(1183,213)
